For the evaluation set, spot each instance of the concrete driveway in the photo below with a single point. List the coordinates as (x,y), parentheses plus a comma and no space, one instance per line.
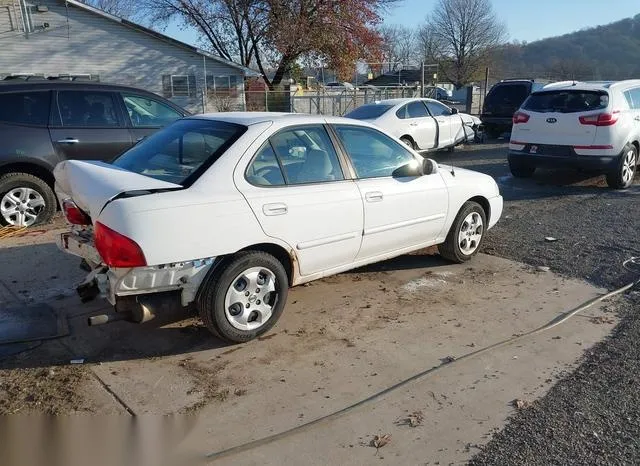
(340,341)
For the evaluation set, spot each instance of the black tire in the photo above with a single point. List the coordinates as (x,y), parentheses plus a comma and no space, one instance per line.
(624,173)
(450,249)
(12,181)
(521,169)
(211,299)
(492,131)
(408,141)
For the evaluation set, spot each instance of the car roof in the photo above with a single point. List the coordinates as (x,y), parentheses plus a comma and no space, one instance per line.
(252,118)
(21,85)
(590,85)
(400,101)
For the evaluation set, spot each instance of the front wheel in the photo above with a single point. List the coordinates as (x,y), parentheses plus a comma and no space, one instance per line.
(624,173)
(244,297)
(466,234)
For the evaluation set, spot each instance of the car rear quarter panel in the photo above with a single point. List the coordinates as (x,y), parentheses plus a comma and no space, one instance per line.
(26,144)
(209,219)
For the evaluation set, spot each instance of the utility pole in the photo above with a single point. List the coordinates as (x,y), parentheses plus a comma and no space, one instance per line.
(422,80)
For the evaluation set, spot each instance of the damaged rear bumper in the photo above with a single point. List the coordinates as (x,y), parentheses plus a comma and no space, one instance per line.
(112,283)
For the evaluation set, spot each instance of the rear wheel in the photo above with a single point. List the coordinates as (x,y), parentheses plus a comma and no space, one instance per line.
(245,297)
(25,200)
(521,169)
(624,173)
(492,131)
(408,141)
(466,234)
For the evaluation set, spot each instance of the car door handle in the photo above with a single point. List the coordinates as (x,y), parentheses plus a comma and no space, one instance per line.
(413,124)
(275,209)
(68,141)
(374,196)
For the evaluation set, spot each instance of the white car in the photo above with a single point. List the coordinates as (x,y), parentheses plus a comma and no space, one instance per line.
(227,211)
(422,124)
(586,125)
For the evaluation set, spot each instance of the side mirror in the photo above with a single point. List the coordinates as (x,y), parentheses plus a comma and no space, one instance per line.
(454,111)
(429,166)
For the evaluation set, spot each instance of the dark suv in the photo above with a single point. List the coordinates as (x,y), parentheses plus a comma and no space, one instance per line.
(45,122)
(503,100)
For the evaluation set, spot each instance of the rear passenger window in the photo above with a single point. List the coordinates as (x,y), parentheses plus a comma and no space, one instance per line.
(417,110)
(87,109)
(25,108)
(265,170)
(402,112)
(298,155)
(633,98)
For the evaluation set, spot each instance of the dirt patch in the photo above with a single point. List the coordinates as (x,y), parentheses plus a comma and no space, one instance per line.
(49,390)
(205,381)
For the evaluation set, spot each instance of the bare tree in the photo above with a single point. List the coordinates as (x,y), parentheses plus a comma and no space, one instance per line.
(460,34)
(120,8)
(398,46)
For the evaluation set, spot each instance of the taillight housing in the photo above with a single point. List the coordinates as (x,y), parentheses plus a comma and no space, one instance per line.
(520,117)
(116,249)
(74,214)
(600,119)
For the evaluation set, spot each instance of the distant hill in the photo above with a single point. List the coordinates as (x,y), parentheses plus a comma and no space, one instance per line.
(604,52)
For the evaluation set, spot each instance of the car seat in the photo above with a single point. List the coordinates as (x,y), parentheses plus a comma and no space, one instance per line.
(316,167)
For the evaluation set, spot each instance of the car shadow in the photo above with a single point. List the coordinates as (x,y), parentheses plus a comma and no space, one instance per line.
(173,332)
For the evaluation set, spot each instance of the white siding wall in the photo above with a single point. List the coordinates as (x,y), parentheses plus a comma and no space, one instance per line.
(86,43)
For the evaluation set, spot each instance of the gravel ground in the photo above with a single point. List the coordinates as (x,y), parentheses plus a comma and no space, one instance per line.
(592,415)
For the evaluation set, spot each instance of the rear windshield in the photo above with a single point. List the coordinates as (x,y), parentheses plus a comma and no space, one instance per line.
(369,111)
(513,94)
(566,101)
(182,151)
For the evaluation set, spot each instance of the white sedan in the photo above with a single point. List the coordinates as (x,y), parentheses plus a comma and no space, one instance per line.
(422,124)
(227,211)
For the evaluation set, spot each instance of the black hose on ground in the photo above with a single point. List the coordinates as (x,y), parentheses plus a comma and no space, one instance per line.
(628,264)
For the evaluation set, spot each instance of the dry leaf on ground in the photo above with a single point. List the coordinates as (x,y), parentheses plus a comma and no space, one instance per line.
(380,441)
(414,419)
(521,404)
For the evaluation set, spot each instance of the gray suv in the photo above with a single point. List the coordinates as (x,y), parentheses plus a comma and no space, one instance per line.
(45,122)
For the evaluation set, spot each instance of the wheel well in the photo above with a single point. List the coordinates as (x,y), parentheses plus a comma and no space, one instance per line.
(484,203)
(280,253)
(410,138)
(31,169)
(637,144)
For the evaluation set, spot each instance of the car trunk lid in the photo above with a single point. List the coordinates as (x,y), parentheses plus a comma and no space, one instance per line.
(92,185)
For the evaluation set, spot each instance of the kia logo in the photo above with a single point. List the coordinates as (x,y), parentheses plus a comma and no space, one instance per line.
(551,120)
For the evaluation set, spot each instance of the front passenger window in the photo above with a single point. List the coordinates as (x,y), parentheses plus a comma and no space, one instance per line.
(376,155)
(146,112)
